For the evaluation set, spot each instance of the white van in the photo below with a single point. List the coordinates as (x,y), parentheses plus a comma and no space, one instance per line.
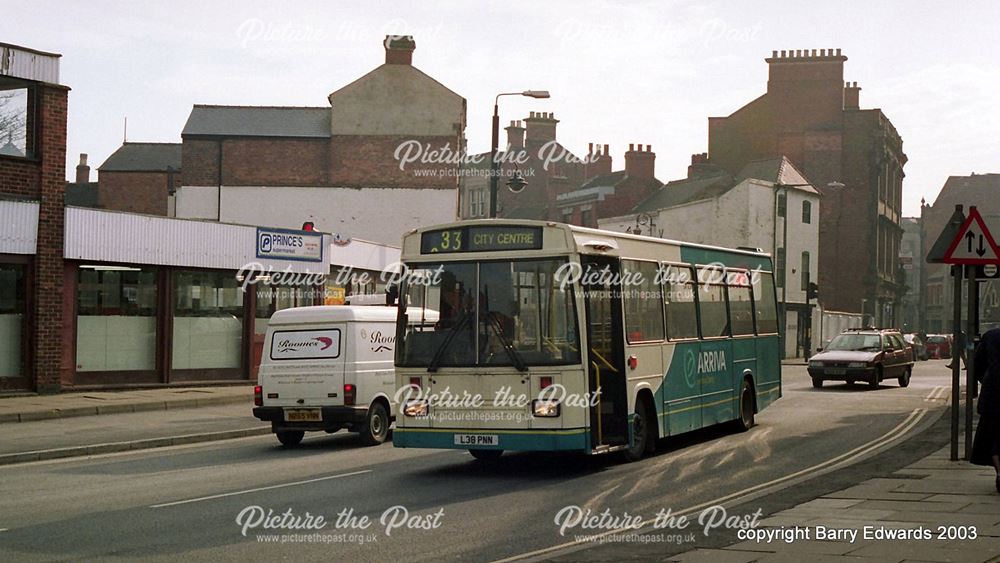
(327,368)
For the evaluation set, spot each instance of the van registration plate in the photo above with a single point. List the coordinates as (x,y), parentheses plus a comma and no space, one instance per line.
(303,415)
(477,440)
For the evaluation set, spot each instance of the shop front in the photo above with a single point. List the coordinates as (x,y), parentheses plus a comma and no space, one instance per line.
(18,228)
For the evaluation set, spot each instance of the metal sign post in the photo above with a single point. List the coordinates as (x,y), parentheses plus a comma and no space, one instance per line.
(956,363)
(970,355)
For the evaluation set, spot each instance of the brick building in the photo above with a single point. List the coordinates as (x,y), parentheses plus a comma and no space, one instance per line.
(813,117)
(338,166)
(532,151)
(607,193)
(140,178)
(32,188)
(935,292)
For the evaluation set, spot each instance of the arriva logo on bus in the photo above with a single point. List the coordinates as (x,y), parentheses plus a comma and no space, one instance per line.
(712,361)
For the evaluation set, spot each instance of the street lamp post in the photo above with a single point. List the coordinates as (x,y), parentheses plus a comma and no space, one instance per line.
(784,269)
(494,165)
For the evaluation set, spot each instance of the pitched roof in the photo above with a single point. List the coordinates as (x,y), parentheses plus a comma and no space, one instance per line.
(714,183)
(975,189)
(258,121)
(687,190)
(83,194)
(144,157)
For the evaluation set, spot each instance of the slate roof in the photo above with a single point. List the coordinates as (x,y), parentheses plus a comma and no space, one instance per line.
(974,189)
(83,194)
(715,183)
(258,121)
(144,157)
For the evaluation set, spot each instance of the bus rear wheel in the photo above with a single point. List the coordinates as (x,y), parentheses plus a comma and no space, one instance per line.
(746,420)
(486,455)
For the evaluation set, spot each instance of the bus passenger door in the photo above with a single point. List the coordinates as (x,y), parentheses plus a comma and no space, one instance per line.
(605,352)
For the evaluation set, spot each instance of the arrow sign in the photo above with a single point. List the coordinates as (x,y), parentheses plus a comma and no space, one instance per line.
(979,247)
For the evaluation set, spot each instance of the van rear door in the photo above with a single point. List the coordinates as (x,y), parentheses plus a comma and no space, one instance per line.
(304,366)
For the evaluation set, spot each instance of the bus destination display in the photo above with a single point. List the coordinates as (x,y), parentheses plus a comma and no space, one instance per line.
(481,239)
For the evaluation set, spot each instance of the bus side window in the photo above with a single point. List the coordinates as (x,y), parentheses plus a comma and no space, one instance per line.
(643,307)
(764,302)
(679,292)
(712,308)
(740,304)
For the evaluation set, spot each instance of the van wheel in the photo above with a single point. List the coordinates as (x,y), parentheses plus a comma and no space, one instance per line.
(290,438)
(817,382)
(746,420)
(376,427)
(486,455)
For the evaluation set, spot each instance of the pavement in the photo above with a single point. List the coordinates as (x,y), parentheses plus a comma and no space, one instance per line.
(943,510)
(40,427)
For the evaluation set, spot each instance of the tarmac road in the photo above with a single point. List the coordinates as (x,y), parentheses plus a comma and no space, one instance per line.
(184,501)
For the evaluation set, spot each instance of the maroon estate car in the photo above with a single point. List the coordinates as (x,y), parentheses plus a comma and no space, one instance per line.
(869,355)
(939,346)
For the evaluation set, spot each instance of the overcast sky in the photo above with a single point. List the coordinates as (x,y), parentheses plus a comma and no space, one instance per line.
(619,72)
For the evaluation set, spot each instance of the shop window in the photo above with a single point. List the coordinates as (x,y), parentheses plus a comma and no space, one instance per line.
(12,311)
(208,320)
(116,319)
(16,122)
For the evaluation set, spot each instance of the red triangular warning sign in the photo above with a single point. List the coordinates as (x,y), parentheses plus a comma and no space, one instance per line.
(973,244)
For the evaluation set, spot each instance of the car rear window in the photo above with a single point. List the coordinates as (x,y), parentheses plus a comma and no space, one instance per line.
(937,339)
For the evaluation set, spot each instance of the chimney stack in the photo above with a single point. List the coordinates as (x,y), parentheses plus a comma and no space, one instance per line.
(515,135)
(399,49)
(598,161)
(699,165)
(640,163)
(852,95)
(82,170)
(541,127)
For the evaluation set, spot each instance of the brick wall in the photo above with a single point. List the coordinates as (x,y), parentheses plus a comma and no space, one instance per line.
(19,176)
(274,162)
(358,161)
(46,332)
(135,192)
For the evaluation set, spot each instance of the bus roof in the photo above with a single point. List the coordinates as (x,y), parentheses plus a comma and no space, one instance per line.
(585,230)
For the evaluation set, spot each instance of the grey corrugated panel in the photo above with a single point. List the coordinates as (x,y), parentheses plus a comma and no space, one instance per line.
(129,238)
(18,227)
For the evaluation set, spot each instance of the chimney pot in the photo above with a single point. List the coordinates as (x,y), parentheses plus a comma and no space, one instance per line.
(606,150)
(399,49)
(590,148)
(774,54)
(838,52)
(82,170)
(649,148)
(784,54)
(631,147)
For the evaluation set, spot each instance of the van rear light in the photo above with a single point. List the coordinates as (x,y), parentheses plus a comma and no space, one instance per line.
(258,396)
(544,382)
(349,394)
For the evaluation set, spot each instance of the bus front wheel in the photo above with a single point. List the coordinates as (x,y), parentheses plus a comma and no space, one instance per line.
(486,455)
(643,440)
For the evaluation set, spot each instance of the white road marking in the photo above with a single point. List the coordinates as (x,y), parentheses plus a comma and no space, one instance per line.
(936,393)
(268,488)
(4,529)
(899,430)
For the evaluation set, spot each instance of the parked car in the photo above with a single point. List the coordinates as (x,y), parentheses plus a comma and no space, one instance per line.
(939,346)
(869,355)
(918,345)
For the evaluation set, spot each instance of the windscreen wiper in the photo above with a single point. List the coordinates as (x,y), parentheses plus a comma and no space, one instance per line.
(508,346)
(439,354)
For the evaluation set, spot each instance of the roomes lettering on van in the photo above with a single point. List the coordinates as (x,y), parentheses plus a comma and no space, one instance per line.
(305,344)
(378,341)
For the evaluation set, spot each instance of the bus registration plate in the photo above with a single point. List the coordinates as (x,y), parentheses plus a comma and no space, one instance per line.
(477,440)
(303,415)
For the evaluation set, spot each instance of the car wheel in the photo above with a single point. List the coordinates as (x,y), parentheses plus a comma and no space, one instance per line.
(376,427)
(486,455)
(641,432)
(290,438)
(817,382)
(904,380)
(875,377)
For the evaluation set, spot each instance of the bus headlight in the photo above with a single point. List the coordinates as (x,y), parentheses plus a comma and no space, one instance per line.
(415,408)
(545,408)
